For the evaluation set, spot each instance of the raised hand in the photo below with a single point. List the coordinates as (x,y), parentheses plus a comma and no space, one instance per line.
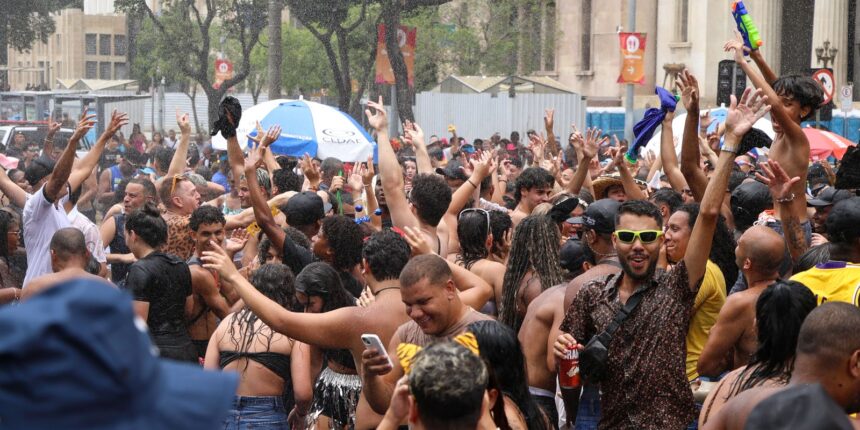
(777,180)
(416,240)
(183,123)
(218,260)
(86,123)
(592,143)
(737,45)
(538,145)
(376,115)
(414,133)
(548,119)
(689,87)
(117,121)
(742,115)
(705,121)
(53,128)
(355,182)
(481,164)
(232,246)
(367,171)
(310,170)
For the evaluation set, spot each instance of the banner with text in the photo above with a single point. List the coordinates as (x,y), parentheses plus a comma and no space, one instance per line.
(223,72)
(632,58)
(406,39)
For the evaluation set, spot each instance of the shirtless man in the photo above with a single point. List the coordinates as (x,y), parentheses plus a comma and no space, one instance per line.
(69,259)
(598,223)
(533,187)
(732,339)
(430,195)
(828,350)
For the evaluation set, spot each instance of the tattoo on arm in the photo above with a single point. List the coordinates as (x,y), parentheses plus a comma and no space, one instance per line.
(794,237)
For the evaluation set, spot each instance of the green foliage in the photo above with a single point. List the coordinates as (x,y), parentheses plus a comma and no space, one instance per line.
(305,68)
(24,22)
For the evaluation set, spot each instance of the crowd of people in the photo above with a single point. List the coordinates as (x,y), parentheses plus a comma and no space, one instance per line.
(442,284)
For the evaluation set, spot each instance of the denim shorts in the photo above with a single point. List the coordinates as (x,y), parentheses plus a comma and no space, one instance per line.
(588,416)
(257,413)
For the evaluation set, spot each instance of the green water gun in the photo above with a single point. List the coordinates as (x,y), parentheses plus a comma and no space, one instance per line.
(750,33)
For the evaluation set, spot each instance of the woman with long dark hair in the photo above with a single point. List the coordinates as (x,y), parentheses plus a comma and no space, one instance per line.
(335,394)
(500,349)
(533,266)
(244,344)
(10,231)
(474,229)
(780,311)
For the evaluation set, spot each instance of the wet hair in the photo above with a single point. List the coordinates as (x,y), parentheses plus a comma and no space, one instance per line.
(736,177)
(429,266)
(205,214)
(431,196)
(668,197)
(68,243)
(535,246)
(204,171)
(321,280)
(502,352)
(748,200)
(148,187)
(780,311)
(448,383)
(639,208)
(754,138)
(7,220)
(848,175)
(386,253)
(842,228)
(93,266)
(330,167)
(500,224)
(147,223)
(830,333)
(287,180)
(531,178)
(38,169)
(814,255)
(163,157)
(276,282)
(803,89)
(344,238)
(293,233)
(722,246)
(472,229)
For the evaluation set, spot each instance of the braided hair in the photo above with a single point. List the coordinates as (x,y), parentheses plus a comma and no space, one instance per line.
(535,247)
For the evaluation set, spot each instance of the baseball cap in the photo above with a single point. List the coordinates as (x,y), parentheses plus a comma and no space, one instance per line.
(572,255)
(801,407)
(453,170)
(305,208)
(829,196)
(562,209)
(600,216)
(842,225)
(80,350)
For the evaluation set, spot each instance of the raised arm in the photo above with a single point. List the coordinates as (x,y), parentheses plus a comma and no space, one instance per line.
(48,144)
(630,188)
(63,168)
(415,135)
(262,213)
(767,73)
(84,168)
(10,189)
(739,121)
(780,185)
(551,141)
(390,171)
(586,149)
(693,174)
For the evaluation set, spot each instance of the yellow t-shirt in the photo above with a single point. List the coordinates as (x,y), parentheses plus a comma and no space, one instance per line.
(833,281)
(709,301)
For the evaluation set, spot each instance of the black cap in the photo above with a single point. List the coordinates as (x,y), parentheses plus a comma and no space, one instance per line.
(842,225)
(572,255)
(454,170)
(748,200)
(801,407)
(304,209)
(560,211)
(829,196)
(600,216)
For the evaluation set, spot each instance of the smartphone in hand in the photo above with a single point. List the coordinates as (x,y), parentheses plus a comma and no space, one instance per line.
(373,341)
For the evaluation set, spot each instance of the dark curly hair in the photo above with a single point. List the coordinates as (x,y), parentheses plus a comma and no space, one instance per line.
(431,196)
(205,215)
(722,246)
(163,157)
(345,239)
(801,88)
(530,178)
(287,180)
(147,223)
(387,253)
(639,208)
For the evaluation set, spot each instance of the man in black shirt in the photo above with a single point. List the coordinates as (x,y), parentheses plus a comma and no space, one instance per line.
(159,283)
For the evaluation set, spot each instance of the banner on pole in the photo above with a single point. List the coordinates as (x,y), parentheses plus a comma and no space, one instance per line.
(632,58)
(223,72)
(406,39)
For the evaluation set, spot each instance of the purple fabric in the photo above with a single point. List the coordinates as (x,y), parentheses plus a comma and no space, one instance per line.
(644,129)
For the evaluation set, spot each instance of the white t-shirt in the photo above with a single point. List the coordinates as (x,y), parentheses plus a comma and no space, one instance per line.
(41,220)
(91,234)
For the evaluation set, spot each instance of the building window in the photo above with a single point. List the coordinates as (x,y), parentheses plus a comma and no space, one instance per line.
(682,9)
(104,70)
(119,45)
(92,70)
(91,44)
(585,26)
(104,44)
(120,71)
(548,43)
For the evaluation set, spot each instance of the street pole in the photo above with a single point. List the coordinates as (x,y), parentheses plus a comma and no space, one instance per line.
(628,103)
(394,123)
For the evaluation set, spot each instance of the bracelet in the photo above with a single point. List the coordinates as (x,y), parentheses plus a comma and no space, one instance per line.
(733,150)
(471,183)
(503,180)
(788,199)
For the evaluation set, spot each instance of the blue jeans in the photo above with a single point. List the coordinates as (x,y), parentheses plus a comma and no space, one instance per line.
(588,415)
(257,413)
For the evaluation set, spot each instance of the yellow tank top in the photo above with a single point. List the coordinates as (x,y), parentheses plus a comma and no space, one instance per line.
(833,281)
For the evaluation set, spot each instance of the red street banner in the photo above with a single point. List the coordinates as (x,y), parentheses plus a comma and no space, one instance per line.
(223,72)
(406,39)
(632,58)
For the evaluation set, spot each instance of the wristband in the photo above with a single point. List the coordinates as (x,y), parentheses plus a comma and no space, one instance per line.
(471,183)
(731,149)
(788,199)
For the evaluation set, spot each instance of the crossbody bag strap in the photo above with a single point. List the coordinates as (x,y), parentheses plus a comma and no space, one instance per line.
(623,313)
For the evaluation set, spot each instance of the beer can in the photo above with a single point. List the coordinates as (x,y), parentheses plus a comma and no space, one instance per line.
(568,372)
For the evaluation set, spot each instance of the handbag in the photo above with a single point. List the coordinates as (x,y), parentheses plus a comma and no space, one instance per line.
(592,359)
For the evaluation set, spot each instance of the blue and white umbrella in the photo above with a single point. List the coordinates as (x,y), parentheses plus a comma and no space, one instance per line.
(306,127)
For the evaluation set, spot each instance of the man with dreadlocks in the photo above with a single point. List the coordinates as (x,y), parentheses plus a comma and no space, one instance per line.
(533,267)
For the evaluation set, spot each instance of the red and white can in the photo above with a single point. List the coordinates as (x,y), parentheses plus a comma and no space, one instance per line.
(568,371)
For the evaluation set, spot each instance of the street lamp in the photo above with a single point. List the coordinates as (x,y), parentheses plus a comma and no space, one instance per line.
(825,53)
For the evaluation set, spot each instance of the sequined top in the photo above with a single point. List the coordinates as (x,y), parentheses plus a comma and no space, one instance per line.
(646,384)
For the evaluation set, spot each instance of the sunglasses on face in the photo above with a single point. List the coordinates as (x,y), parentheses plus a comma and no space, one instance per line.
(644,236)
(479,210)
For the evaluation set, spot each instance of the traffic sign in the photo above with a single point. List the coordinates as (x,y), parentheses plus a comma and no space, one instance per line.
(825,78)
(846,96)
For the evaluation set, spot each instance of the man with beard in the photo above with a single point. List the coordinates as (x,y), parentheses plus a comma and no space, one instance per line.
(644,384)
(824,384)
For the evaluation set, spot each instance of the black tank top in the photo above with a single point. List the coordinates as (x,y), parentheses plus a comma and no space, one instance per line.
(118,246)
